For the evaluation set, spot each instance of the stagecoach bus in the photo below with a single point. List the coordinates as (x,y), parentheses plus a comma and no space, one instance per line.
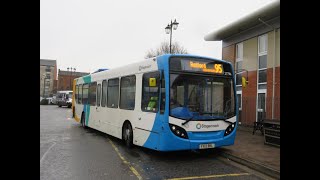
(165,103)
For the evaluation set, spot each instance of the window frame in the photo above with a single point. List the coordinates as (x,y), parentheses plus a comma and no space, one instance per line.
(262,90)
(98,95)
(76,95)
(85,84)
(102,90)
(115,107)
(238,60)
(92,85)
(143,95)
(80,94)
(264,53)
(120,92)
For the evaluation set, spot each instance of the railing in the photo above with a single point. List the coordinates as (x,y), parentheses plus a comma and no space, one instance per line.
(248,113)
(272,132)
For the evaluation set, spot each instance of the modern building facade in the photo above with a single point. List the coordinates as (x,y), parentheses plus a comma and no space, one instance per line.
(252,45)
(48,74)
(65,79)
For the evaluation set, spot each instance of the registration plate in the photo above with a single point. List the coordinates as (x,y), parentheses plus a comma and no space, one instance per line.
(206,146)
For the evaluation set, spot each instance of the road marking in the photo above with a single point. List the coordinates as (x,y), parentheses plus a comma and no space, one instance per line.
(135,172)
(210,176)
(47,152)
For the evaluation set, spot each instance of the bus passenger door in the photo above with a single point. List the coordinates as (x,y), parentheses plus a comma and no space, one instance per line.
(149,110)
(98,116)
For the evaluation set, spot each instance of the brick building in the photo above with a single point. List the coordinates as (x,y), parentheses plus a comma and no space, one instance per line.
(65,79)
(48,76)
(252,45)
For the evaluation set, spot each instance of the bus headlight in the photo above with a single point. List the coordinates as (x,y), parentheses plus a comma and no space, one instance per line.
(178,131)
(229,129)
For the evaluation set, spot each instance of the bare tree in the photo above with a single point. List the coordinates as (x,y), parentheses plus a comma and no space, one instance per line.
(164,48)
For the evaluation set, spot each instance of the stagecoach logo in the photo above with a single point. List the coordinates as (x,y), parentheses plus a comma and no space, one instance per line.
(144,67)
(199,125)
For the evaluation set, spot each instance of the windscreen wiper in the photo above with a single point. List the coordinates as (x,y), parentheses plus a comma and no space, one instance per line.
(217,119)
(187,120)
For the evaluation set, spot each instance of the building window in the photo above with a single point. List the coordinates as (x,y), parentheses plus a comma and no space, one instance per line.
(128,92)
(113,93)
(262,61)
(92,93)
(239,69)
(48,69)
(263,43)
(85,93)
(239,97)
(104,93)
(150,92)
(98,94)
(262,76)
(239,60)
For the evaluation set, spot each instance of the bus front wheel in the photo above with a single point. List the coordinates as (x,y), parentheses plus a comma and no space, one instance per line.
(127,135)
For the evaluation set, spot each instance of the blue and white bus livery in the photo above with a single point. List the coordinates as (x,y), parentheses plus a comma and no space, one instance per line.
(166,103)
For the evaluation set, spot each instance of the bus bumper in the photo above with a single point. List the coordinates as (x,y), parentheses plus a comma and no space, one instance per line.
(171,142)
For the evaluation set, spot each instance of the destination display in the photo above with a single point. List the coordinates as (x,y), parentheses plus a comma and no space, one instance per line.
(197,66)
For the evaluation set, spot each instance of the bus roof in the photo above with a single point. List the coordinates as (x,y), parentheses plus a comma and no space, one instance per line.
(128,67)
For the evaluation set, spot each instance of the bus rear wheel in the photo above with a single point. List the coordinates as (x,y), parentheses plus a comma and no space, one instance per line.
(127,135)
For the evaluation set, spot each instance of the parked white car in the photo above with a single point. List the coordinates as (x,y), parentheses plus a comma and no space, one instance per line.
(54,99)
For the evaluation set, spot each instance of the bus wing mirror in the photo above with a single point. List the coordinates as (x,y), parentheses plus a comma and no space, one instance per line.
(244,82)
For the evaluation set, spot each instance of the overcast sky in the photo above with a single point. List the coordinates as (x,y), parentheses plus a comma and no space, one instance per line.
(93,34)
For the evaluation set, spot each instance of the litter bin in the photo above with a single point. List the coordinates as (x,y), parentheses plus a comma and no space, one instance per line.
(272,132)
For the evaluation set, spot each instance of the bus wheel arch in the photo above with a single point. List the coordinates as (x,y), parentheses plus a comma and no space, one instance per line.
(127,133)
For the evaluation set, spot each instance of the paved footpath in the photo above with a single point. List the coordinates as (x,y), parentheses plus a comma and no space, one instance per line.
(251,151)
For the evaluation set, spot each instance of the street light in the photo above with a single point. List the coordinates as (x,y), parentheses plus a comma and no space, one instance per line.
(174,26)
(71,74)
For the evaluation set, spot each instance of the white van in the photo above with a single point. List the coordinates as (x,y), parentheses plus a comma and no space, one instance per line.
(64,98)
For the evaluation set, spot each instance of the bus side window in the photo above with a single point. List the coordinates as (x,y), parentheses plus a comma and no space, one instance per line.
(80,94)
(76,93)
(104,93)
(163,93)
(93,93)
(150,92)
(113,93)
(85,93)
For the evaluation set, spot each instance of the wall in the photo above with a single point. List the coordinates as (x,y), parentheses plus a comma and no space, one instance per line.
(250,63)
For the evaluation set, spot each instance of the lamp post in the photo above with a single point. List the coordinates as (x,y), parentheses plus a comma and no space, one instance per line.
(174,26)
(71,75)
